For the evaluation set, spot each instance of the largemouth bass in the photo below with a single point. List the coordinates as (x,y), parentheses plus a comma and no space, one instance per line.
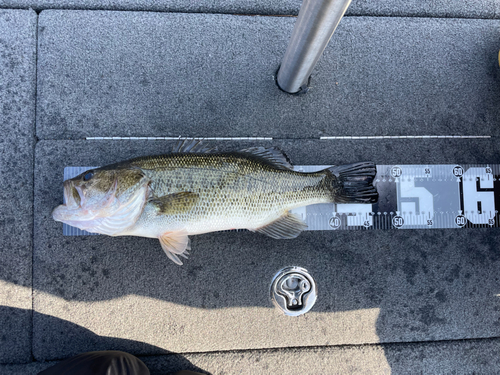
(193,191)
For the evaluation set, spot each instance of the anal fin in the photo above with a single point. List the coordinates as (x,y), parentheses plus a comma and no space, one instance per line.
(287,226)
(175,244)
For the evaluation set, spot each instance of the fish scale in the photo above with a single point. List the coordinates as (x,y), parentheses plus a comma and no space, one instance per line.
(234,192)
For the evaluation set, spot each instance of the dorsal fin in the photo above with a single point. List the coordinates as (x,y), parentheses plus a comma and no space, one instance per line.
(271,155)
(191,145)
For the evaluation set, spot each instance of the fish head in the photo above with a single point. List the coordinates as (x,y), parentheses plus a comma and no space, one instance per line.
(103,200)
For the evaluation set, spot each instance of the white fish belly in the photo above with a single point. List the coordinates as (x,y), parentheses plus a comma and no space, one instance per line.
(218,218)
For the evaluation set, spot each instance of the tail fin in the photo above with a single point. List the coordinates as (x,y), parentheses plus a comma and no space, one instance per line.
(354,183)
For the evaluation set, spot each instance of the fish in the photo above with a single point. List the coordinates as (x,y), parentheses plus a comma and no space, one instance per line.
(195,190)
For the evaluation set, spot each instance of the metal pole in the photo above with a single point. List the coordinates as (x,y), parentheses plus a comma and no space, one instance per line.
(315,25)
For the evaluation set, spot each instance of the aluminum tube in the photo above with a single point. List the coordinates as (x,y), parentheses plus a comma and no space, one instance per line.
(315,25)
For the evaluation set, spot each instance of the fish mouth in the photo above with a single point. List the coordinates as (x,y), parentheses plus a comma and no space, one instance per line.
(70,199)
(71,203)
(108,216)
(77,209)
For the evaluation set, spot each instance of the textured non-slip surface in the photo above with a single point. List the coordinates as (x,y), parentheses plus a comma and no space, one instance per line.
(147,74)
(398,8)
(460,357)
(374,286)
(414,301)
(17,121)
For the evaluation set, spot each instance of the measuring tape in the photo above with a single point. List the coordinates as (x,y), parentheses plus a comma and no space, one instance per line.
(410,197)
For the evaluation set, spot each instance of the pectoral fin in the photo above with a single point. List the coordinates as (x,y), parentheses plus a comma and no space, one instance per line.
(287,226)
(175,203)
(174,244)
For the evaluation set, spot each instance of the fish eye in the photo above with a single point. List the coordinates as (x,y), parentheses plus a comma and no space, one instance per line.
(88,176)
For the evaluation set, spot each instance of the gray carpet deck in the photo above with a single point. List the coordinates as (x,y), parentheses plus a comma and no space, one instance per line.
(17,119)
(404,301)
(471,356)
(375,286)
(392,8)
(148,74)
